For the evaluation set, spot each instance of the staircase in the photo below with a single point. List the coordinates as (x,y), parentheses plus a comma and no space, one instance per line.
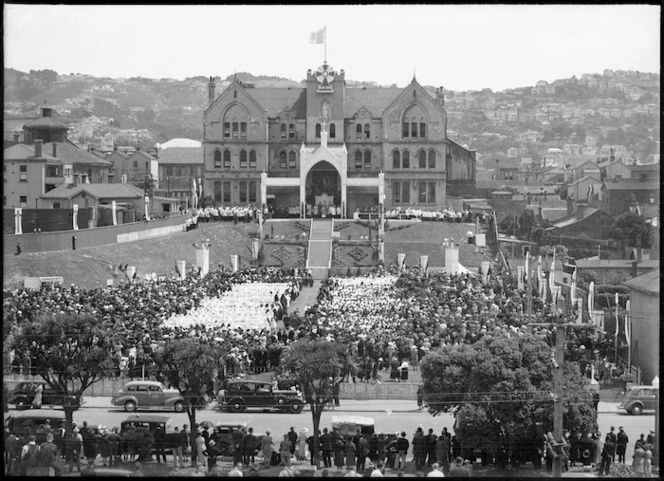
(320,248)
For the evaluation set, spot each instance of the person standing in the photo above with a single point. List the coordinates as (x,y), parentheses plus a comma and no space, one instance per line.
(29,455)
(292,437)
(326,448)
(430,442)
(48,455)
(338,452)
(238,445)
(37,400)
(419,449)
(11,458)
(104,450)
(621,444)
(608,451)
(613,438)
(114,442)
(249,447)
(402,446)
(362,451)
(266,449)
(285,451)
(160,442)
(175,441)
(200,449)
(350,450)
(457,470)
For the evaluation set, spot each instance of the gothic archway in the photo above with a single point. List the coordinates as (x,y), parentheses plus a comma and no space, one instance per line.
(323,185)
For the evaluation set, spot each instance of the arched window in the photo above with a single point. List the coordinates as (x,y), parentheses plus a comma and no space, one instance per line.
(432,159)
(282,160)
(217,159)
(291,132)
(367,131)
(358,159)
(318,131)
(283,131)
(236,129)
(405,164)
(367,160)
(396,160)
(217,191)
(292,157)
(333,131)
(227,159)
(243,159)
(252,159)
(423,130)
(422,159)
(358,131)
(413,130)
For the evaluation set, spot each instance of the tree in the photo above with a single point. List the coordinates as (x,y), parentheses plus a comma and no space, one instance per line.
(70,351)
(501,388)
(190,366)
(319,366)
(628,228)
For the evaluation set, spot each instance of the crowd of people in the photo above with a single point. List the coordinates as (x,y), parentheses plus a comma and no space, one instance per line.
(445,215)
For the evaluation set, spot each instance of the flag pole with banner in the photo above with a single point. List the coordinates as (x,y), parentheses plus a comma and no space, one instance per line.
(318,37)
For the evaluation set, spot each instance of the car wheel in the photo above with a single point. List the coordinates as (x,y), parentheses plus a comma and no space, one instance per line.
(296,408)
(236,406)
(179,407)
(21,404)
(224,448)
(130,406)
(637,409)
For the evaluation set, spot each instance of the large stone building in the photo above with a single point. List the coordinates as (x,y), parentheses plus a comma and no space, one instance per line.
(328,143)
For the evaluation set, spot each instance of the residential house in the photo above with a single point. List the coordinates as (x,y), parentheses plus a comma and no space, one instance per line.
(87,166)
(645,323)
(179,167)
(582,190)
(25,171)
(507,169)
(45,128)
(139,167)
(618,195)
(648,171)
(583,222)
(616,170)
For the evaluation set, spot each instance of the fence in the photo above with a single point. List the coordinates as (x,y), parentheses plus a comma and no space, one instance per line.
(63,240)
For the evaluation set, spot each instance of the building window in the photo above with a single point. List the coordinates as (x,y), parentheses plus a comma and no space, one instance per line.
(227,159)
(217,191)
(252,159)
(283,131)
(333,131)
(282,160)
(56,205)
(243,191)
(291,131)
(217,157)
(358,132)
(427,193)
(135,164)
(227,191)
(358,160)
(423,130)
(235,129)
(404,130)
(651,198)
(318,131)
(405,164)
(292,160)
(243,159)
(252,191)
(401,192)
(413,130)
(367,131)
(23,173)
(422,159)
(227,130)
(432,159)
(396,192)
(23,200)
(396,160)
(243,130)
(367,160)
(217,162)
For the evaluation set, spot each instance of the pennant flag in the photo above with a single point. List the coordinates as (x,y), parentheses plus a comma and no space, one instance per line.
(552,275)
(572,289)
(318,36)
(627,333)
(591,298)
(617,323)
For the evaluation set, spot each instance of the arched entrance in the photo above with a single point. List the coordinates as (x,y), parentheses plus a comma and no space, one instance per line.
(322,188)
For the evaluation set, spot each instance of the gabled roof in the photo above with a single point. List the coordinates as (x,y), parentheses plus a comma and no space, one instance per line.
(143,154)
(105,191)
(25,152)
(373,99)
(66,152)
(632,184)
(179,142)
(584,178)
(648,282)
(182,155)
(274,100)
(572,219)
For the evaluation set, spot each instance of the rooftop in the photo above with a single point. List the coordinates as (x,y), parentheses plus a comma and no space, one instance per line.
(648,282)
(181,155)
(66,151)
(614,264)
(24,152)
(632,184)
(99,191)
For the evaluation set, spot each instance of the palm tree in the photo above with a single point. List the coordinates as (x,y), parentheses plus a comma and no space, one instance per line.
(318,366)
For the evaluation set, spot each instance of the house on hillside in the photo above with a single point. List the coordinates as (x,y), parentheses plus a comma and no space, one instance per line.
(620,194)
(645,322)
(584,222)
(179,167)
(582,190)
(140,166)
(27,170)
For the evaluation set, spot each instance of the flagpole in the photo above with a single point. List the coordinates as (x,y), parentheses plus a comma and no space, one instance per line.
(325,44)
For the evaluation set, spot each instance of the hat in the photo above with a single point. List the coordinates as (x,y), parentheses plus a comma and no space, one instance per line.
(621,428)
(211,442)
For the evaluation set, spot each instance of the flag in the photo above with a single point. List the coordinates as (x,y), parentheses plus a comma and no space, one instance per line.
(194,194)
(552,274)
(591,298)
(617,323)
(627,333)
(318,36)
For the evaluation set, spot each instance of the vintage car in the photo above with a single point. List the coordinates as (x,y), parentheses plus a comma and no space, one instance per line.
(148,395)
(32,421)
(226,431)
(240,395)
(639,398)
(24,392)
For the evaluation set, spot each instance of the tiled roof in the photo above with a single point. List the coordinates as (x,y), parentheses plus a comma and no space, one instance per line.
(275,100)
(374,99)
(24,152)
(180,142)
(66,152)
(143,154)
(648,282)
(105,191)
(584,178)
(181,155)
(632,184)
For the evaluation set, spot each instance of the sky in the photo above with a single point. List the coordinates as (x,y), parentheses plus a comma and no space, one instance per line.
(460,47)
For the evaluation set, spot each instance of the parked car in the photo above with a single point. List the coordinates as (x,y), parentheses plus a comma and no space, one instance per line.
(639,398)
(148,395)
(240,395)
(24,392)
(30,422)
(226,431)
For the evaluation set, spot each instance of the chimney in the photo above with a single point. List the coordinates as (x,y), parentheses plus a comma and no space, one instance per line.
(635,269)
(38,148)
(55,149)
(211,93)
(440,96)
(47,111)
